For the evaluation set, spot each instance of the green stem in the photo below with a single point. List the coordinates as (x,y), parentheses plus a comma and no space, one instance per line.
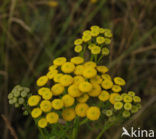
(107,126)
(84,121)
(75,129)
(100,58)
(83,52)
(95,56)
(29,111)
(42,134)
(92,57)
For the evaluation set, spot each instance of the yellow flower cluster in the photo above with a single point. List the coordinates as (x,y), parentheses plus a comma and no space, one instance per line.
(78,88)
(128,103)
(96,40)
(72,87)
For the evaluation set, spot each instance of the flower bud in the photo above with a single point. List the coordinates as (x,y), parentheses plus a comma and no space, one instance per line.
(21,100)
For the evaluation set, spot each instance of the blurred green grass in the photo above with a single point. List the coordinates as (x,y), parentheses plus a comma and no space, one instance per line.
(33,33)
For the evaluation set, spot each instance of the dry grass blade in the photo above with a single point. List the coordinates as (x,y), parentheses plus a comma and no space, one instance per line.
(141,50)
(12,8)
(12,131)
(22,23)
(133,47)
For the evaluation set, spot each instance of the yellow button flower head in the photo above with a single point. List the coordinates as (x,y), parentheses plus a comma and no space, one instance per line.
(96,50)
(52,117)
(116,88)
(118,98)
(87,32)
(57,89)
(83,98)
(108,33)
(42,81)
(112,97)
(104,96)
(79,70)
(119,81)
(138,106)
(78,80)
(86,38)
(105,51)
(107,41)
(74,91)
(42,123)
(36,112)
(93,113)
(136,99)
(57,104)
(126,114)
(118,105)
(107,84)
(102,69)
(89,72)
(34,100)
(96,90)
(134,109)
(78,42)
(78,48)
(127,98)
(106,76)
(45,105)
(47,94)
(96,80)
(66,80)
(131,93)
(68,67)
(59,61)
(90,46)
(81,109)
(51,74)
(109,113)
(123,95)
(53,67)
(85,86)
(43,90)
(95,28)
(68,114)
(95,32)
(100,40)
(57,77)
(128,106)
(68,100)
(77,60)
(102,30)
(90,64)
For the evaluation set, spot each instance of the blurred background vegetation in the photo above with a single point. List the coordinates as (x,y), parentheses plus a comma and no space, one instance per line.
(33,32)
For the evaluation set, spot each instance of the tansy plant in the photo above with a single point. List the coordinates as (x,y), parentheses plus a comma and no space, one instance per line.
(77,91)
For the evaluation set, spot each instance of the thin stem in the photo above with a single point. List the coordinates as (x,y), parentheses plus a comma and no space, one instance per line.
(95,57)
(107,126)
(100,58)
(84,121)
(75,129)
(83,52)
(29,111)
(92,57)
(42,134)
